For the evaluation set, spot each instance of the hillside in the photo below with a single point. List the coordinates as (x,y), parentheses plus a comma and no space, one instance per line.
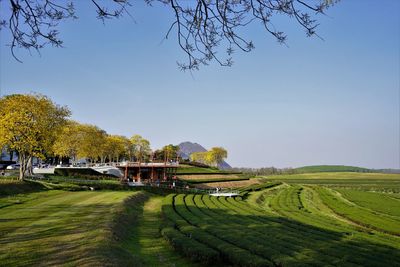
(196,174)
(330,168)
(187,148)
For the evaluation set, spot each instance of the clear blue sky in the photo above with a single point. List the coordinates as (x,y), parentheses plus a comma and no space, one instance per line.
(311,102)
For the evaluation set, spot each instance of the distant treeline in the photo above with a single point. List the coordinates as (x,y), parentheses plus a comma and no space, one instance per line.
(264,171)
(308,169)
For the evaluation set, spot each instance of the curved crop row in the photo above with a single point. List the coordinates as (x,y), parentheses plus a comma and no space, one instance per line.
(180,241)
(258,239)
(287,204)
(245,235)
(282,239)
(238,253)
(358,214)
(341,242)
(378,202)
(227,251)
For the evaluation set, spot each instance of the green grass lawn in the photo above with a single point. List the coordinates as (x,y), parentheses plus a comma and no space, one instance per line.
(44,227)
(330,168)
(376,182)
(61,228)
(377,202)
(146,241)
(336,176)
(303,219)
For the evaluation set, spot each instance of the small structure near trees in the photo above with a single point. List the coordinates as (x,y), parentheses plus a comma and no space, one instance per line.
(150,172)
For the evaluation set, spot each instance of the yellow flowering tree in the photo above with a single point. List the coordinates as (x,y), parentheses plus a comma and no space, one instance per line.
(216,155)
(140,147)
(29,124)
(68,141)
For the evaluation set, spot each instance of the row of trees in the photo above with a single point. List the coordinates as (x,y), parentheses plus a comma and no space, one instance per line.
(29,125)
(77,140)
(265,171)
(213,157)
(34,126)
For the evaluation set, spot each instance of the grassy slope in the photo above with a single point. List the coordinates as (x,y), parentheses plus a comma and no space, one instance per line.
(56,227)
(146,241)
(379,202)
(188,169)
(336,175)
(13,187)
(194,174)
(292,235)
(330,168)
(192,169)
(377,182)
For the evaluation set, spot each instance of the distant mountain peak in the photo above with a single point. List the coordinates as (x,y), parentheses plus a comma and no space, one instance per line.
(187,148)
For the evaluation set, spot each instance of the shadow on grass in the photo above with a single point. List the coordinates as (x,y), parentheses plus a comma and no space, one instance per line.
(77,235)
(10,187)
(287,242)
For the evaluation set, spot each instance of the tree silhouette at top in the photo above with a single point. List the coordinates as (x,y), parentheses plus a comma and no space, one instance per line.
(203,28)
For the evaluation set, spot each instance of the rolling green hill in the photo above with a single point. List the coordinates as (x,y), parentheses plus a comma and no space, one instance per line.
(196,174)
(307,219)
(330,168)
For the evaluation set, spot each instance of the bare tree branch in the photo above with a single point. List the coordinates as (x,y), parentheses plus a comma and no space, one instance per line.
(206,30)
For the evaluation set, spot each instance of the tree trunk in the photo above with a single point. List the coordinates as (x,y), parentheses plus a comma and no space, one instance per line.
(21,171)
(23,161)
(29,170)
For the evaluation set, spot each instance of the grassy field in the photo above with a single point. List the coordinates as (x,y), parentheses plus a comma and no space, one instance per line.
(330,168)
(146,241)
(316,219)
(230,184)
(44,227)
(290,223)
(336,176)
(187,169)
(196,175)
(209,178)
(375,182)
(58,227)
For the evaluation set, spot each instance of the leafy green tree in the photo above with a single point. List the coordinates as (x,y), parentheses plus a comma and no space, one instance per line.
(29,124)
(169,152)
(92,142)
(68,141)
(115,147)
(216,156)
(213,157)
(140,147)
(199,157)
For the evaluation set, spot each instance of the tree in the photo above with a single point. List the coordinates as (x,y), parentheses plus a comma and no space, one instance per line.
(170,152)
(92,142)
(77,140)
(68,141)
(115,147)
(128,148)
(216,156)
(199,157)
(202,28)
(141,147)
(29,125)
